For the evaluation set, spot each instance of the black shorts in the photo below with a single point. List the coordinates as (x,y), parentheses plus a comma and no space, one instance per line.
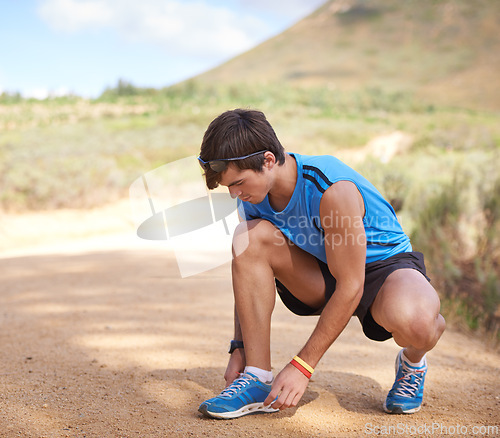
(375,275)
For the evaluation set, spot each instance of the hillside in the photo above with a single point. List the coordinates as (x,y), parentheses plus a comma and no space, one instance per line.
(446,51)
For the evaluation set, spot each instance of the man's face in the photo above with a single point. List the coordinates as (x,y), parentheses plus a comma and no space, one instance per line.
(247,185)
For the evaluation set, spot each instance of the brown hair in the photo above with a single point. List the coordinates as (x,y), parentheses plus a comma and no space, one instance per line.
(237,133)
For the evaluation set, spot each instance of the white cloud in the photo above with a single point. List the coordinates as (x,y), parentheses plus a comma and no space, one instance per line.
(41,93)
(181,27)
(75,15)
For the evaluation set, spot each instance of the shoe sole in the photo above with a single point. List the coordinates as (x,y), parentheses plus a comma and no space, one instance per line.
(254,408)
(400,410)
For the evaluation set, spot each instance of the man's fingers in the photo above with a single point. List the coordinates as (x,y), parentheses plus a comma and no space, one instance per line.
(276,390)
(288,401)
(287,389)
(272,396)
(296,400)
(283,401)
(230,378)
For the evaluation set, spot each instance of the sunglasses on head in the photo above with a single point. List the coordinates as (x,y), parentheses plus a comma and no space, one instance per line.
(221,164)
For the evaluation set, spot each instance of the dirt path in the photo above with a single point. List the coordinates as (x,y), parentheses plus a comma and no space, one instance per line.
(111,342)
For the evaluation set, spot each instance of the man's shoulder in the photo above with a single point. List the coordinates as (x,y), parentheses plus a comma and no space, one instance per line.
(322,170)
(324,163)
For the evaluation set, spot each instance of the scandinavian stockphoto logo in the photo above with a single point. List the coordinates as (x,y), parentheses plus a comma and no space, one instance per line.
(171,205)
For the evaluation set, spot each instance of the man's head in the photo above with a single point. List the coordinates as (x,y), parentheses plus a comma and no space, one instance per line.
(234,134)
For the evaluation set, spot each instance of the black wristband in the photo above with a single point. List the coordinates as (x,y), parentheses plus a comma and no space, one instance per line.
(234,345)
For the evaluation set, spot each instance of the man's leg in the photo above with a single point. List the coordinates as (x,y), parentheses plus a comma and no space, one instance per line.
(408,307)
(262,253)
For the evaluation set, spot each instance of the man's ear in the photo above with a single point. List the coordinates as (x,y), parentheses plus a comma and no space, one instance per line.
(269,160)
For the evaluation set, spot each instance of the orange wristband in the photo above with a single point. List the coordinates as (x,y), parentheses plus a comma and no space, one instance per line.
(304,364)
(299,364)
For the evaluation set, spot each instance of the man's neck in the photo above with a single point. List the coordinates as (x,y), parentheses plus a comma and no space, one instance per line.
(284,184)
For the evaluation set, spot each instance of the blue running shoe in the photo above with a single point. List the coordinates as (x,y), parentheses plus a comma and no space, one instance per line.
(407,393)
(244,396)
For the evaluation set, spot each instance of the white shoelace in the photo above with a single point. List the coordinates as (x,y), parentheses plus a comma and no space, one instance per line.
(407,388)
(238,384)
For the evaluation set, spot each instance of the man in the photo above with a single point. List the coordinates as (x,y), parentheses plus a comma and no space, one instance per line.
(323,237)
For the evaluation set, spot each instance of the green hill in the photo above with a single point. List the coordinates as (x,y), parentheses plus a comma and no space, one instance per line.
(447,51)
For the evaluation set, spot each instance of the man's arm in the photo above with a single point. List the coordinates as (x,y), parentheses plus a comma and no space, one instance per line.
(341,212)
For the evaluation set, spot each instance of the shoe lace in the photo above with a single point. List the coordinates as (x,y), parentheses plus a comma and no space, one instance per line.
(237,385)
(409,384)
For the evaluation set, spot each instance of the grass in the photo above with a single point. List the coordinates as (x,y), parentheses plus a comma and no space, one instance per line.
(72,152)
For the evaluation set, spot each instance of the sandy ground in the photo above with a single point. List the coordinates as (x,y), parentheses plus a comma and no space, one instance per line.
(101,337)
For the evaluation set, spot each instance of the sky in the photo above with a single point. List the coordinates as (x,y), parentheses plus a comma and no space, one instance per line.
(57,47)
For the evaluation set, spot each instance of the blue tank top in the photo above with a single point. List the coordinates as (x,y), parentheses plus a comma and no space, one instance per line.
(300,220)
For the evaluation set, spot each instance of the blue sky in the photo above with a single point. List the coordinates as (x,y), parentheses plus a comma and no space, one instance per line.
(82,46)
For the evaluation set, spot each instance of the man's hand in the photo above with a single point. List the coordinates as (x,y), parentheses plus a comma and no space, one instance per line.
(290,384)
(235,366)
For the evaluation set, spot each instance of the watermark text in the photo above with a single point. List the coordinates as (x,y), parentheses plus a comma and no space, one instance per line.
(438,429)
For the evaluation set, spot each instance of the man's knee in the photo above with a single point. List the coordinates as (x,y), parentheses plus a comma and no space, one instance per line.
(255,236)
(421,326)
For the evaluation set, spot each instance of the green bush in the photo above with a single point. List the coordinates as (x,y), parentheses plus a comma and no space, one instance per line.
(466,272)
